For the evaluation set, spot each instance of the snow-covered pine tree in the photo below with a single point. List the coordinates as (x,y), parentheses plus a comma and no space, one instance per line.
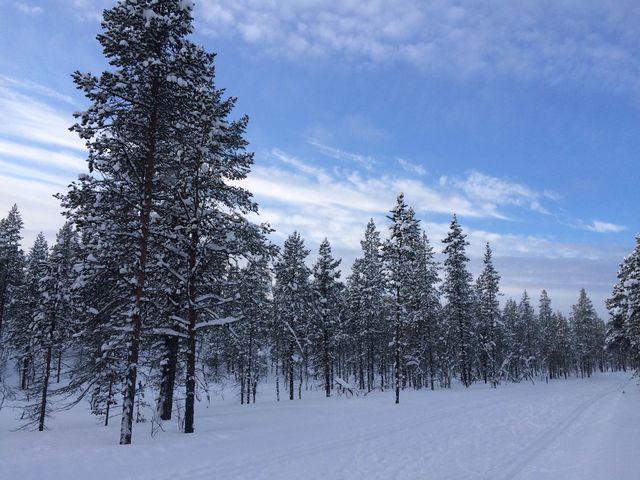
(489,331)
(424,346)
(458,293)
(548,331)
(11,261)
(587,335)
(400,260)
(50,326)
(256,309)
(139,127)
(293,302)
(365,310)
(324,322)
(510,320)
(563,345)
(527,337)
(27,303)
(208,228)
(101,301)
(623,329)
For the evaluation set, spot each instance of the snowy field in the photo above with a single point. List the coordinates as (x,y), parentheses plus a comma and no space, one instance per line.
(574,429)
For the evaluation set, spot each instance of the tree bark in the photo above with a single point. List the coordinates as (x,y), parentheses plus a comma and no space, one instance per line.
(133,350)
(191,334)
(45,379)
(167,384)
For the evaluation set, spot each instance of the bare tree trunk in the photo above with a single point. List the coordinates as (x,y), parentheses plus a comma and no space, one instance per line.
(327,364)
(59,367)
(291,373)
(277,377)
(396,342)
(135,322)
(106,416)
(45,379)
(189,409)
(24,373)
(167,383)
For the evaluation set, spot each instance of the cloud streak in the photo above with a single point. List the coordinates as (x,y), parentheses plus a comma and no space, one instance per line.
(560,41)
(605,227)
(39,156)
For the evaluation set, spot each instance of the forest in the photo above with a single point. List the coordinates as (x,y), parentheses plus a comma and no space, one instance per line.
(160,285)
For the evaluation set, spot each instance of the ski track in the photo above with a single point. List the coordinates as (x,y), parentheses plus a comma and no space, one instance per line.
(543,441)
(552,431)
(252,466)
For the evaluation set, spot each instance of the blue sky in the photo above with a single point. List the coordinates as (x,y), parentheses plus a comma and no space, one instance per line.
(522,117)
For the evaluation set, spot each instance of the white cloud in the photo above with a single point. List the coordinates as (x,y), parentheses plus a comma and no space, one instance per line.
(412,167)
(294,194)
(337,204)
(28,119)
(40,211)
(28,9)
(343,156)
(605,227)
(567,40)
(45,157)
(39,156)
(498,191)
(475,195)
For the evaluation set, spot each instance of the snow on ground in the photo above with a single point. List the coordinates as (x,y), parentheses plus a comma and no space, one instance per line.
(564,430)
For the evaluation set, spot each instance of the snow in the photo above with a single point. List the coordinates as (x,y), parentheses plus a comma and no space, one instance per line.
(573,429)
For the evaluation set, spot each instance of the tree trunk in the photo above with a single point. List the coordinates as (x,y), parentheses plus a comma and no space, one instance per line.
(396,342)
(59,367)
(24,374)
(3,301)
(291,373)
(191,340)
(327,364)
(167,384)
(135,322)
(106,416)
(45,379)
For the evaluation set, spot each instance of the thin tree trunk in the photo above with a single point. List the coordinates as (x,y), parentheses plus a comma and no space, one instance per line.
(291,373)
(45,380)
(135,322)
(191,340)
(327,366)
(397,346)
(106,417)
(24,377)
(167,383)
(59,367)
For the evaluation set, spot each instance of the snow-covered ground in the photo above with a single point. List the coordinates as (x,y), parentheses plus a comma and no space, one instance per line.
(574,429)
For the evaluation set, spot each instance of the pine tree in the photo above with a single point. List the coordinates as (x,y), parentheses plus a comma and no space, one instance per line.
(11,261)
(51,322)
(623,330)
(587,334)
(548,331)
(365,309)
(400,260)
(23,324)
(327,292)
(207,211)
(490,323)
(256,307)
(527,333)
(458,293)
(510,320)
(129,130)
(293,303)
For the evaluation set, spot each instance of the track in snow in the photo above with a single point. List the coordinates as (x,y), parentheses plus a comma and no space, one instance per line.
(559,430)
